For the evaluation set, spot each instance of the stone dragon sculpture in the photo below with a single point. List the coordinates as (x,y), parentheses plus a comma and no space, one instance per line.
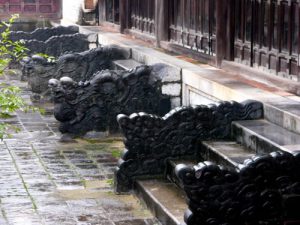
(264,190)
(43,34)
(95,103)
(78,66)
(151,140)
(56,46)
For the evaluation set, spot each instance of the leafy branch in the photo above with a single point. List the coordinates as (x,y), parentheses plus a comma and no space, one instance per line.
(10,98)
(10,101)
(10,50)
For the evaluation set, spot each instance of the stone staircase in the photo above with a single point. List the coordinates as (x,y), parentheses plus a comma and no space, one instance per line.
(278,130)
(263,136)
(162,196)
(249,138)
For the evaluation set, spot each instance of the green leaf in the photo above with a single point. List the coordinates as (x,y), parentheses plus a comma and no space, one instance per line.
(10,96)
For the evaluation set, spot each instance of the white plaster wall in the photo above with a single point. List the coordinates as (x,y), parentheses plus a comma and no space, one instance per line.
(72,10)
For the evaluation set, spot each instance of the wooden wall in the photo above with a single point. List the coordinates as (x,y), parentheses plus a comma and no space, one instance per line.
(32,9)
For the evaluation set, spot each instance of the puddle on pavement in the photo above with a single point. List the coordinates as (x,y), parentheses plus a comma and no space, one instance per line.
(108,200)
(91,184)
(78,151)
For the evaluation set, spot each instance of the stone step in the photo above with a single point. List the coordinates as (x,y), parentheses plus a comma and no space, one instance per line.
(126,64)
(170,170)
(164,199)
(263,136)
(226,153)
(285,114)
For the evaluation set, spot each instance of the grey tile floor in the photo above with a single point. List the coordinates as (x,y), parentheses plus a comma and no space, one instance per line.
(44,181)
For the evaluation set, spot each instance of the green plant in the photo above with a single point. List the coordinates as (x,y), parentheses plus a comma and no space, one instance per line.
(10,50)
(10,99)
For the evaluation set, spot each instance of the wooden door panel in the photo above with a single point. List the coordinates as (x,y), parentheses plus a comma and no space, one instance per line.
(268,39)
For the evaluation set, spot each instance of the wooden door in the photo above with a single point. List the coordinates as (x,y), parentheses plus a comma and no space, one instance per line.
(267,35)
(193,24)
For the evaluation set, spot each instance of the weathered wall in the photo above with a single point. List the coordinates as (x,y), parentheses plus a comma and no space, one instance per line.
(82,12)
(72,10)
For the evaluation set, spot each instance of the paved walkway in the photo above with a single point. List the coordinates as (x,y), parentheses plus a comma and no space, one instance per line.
(44,181)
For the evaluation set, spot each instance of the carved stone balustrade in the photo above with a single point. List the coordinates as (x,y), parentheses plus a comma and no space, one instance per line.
(266,190)
(48,41)
(55,46)
(151,140)
(58,45)
(93,105)
(37,70)
(43,34)
(78,66)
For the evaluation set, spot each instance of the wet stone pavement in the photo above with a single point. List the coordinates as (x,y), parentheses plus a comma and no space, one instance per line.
(44,181)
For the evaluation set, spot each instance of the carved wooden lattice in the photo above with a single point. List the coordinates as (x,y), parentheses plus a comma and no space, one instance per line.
(142,15)
(193,24)
(112,11)
(267,35)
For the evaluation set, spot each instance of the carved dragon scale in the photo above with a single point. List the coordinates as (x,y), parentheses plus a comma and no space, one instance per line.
(150,140)
(94,104)
(58,45)
(43,34)
(78,66)
(53,41)
(266,190)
